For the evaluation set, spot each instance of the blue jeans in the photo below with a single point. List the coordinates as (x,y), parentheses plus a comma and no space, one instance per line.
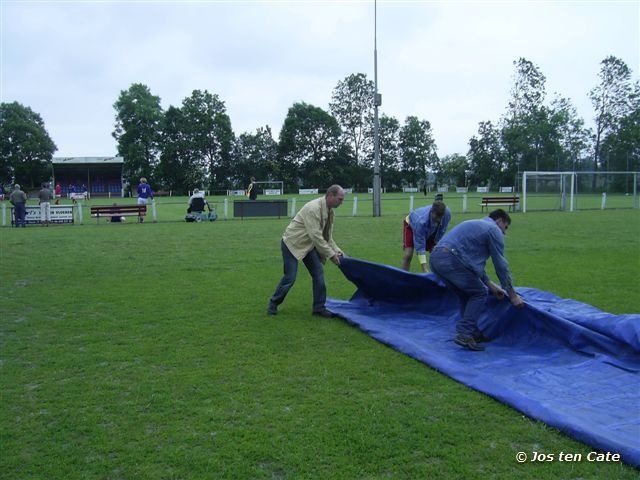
(470,290)
(313,264)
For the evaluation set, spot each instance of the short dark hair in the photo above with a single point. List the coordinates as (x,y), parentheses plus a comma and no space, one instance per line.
(438,208)
(499,213)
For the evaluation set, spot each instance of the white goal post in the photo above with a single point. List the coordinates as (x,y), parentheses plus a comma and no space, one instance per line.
(565,186)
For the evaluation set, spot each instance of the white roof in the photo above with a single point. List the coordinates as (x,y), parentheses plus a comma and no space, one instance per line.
(85,160)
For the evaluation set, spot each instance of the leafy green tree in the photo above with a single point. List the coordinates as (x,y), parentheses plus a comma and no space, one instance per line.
(352,105)
(390,154)
(485,156)
(208,130)
(137,131)
(25,146)
(531,138)
(621,149)
(344,171)
(528,89)
(180,169)
(308,147)
(255,156)
(573,136)
(521,134)
(535,140)
(453,170)
(612,100)
(418,150)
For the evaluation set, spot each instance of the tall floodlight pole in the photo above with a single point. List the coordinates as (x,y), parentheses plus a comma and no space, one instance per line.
(377,102)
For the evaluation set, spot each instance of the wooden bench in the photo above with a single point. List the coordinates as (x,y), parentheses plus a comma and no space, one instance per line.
(118,210)
(511,202)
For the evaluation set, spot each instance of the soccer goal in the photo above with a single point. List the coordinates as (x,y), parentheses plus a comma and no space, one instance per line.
(579,190)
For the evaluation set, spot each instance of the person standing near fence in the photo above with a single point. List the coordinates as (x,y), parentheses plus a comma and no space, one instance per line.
(309,237)
(252,191)
(44,197)
(58,193)
(19,201)
(421,231)
(144,194)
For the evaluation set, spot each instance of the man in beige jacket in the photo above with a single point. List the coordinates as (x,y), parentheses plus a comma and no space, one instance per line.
(309,238)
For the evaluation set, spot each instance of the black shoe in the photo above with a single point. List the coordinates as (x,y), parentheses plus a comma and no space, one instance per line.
(272,309)
(324,313)
(480,337)
(468,342)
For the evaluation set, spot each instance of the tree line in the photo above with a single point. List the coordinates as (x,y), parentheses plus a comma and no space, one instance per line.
(194,144)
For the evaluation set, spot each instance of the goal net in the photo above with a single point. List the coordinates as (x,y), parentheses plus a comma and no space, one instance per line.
(579,190)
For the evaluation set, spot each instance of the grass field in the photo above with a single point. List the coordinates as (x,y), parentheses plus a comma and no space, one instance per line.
(144,352)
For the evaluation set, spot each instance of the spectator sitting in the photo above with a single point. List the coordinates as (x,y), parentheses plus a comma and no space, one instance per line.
(117,218)
(197,202)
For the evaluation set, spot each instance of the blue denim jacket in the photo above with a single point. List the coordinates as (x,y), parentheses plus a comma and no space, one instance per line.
(423,227)
(473,242)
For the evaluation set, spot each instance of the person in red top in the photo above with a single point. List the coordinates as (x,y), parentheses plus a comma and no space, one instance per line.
(58,192)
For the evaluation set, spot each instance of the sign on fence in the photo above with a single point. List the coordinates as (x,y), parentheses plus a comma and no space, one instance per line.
(273,191)
(443,189)
(482,190)
(58,213)
(348,190)
(462,189)
(506,189)
(409,189)
(308,191)
(231,193)
(369,190)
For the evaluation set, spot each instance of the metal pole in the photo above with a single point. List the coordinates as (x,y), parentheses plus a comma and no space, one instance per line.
(524,192)
(377,102)
(573,181)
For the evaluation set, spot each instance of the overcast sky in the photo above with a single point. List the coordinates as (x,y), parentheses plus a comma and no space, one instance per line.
(448,62)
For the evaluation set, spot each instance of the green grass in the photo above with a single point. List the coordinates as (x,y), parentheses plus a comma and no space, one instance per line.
(144,351)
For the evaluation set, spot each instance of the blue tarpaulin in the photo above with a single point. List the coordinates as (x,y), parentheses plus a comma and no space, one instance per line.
(559,361)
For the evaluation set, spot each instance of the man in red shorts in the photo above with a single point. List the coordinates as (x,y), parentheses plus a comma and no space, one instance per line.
(422,229)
